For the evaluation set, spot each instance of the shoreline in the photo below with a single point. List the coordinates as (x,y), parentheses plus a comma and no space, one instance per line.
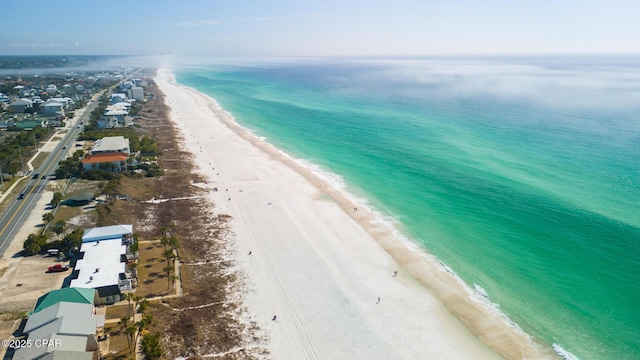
(452,325)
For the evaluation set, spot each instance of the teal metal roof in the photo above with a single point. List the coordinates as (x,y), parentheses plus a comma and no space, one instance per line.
(73,294)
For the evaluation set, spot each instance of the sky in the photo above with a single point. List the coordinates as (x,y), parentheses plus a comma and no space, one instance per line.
(319,28)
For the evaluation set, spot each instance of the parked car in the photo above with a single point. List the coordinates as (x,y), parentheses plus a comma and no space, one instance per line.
(58,268)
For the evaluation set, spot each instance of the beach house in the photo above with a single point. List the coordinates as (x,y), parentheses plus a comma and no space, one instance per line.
(102,264)
(63,323)
(50,107)
(20,105)
(111,162)
(111,144)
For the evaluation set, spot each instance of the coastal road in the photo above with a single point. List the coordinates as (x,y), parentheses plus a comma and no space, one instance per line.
(18,210)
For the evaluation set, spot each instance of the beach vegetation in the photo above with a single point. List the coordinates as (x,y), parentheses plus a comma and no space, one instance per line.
(151,346)
(208,280)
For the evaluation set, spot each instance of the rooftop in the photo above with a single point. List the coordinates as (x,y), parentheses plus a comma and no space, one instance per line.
(110,144)
(64,318)
(116,112)
(106,232)
(71,343)
(105,157)
(72,294)
(59,310)
(101,265)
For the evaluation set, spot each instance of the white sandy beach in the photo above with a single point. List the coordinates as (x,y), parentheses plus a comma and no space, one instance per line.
(320,267)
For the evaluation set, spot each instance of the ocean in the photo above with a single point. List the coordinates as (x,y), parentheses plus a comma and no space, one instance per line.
(522,174)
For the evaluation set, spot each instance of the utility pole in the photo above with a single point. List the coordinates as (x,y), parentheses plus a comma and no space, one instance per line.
(1,178)
(33,132)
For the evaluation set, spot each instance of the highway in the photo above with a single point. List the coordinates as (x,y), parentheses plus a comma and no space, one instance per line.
(18,209)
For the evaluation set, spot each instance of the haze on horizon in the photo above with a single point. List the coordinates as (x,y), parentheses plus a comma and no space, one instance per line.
(320,28)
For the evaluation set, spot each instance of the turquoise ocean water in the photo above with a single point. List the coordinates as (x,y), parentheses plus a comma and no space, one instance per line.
(520,174)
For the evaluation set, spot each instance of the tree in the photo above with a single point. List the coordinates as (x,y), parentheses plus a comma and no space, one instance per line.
(47,217)
(141,325)
(128,297)
(34,244)
(143,305)
(59,227)
(134,247)
(167,270)
(164,240)
(13,169)
(124,322)
(57,198)
(131,331)
(173,241)
(151,346)
(170,256)
(73,239)
(133,267)
(136,300)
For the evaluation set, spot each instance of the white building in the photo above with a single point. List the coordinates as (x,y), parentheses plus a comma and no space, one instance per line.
(103,262)
(137,93)
(117,97)
(111,144)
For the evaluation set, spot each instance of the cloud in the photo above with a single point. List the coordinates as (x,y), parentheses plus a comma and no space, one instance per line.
(214,22)
(577,87)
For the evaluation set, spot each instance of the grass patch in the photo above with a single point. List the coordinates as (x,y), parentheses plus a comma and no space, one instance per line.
(118,343)
(39,160)
(118,311)
(66,212)
(152,279)
(12,315)
(83,186)
(138,189)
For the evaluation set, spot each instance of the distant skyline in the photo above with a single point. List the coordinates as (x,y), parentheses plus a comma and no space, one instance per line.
(320,28)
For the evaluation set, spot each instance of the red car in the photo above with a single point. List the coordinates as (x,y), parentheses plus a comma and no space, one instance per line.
(58,268)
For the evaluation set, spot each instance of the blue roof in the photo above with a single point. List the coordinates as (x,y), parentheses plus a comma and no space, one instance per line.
(106,232)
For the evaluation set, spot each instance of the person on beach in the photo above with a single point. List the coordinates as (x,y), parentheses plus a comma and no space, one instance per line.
(249,252)
(395,273)
(378,300)
(274,318)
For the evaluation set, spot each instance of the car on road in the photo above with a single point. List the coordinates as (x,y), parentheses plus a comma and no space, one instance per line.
(35,176)
(21,196)
(43,176)
(64,147)
(58,268)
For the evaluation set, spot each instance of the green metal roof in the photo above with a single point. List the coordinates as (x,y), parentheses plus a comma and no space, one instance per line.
(77,295)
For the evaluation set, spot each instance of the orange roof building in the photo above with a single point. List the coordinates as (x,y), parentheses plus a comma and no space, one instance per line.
(113,162)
